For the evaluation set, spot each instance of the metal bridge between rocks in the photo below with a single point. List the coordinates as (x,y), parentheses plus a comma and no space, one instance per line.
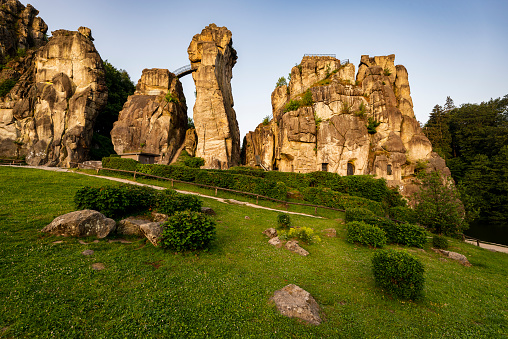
(183,71)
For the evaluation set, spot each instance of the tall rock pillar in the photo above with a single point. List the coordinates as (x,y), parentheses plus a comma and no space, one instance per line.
(212,56)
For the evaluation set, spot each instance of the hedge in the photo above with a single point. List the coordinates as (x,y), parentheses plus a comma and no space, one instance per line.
(329,198)
(119,163)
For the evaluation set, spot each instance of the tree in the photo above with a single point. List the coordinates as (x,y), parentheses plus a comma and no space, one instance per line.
(438,206)
(281,82)
(120,87)
(437,129)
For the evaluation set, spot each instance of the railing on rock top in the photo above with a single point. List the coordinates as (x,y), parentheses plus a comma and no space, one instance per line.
(320,55)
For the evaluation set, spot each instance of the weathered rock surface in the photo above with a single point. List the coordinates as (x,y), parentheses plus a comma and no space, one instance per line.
(275,241)
(159,217)
(455,256)
(20,28)
(152,231)
(130,226)
(270,232)
(49,115)
(294,247)
(212,56)
(208,211)
(83,223)
(154,118)
(333,135)
(330,232)
(294,302)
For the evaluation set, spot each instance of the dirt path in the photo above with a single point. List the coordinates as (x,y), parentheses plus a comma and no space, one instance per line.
(126,181)
(489,246)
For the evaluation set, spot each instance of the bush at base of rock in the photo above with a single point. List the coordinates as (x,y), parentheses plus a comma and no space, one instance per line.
(439,242)
(115,201)
(365,234)
(304,234)
(187,231)
(284,221)
(169,201)
(399,273)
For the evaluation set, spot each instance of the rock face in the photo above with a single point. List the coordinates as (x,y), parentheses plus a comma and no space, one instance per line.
(294,302)
(212,56)
(49,114)
(83,223)
(354,126)
(20,28)
(154,118)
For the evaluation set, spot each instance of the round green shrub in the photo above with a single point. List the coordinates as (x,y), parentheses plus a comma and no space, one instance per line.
(365,234)
(187,231)
(283,221)
(438,241)
(399,273)
(409,235)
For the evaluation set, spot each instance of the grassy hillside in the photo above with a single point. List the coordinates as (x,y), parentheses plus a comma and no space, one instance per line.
(50,290)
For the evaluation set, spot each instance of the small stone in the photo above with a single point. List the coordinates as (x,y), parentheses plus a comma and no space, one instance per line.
(294,247)
(87,252)
(58,242)
(247,218)
(294,302)
(207,211)
(82,242)
(275,242)
(270,232)
(330,232)
(96,241)
(98,266)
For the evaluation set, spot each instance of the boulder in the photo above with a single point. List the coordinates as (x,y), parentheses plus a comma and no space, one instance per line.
(212,56)
(159,217)
(83,223)
(207,211)
(294,247)
(130,226)
(152,231)
(455,256)
(270,232)
(275,242)
(294,302)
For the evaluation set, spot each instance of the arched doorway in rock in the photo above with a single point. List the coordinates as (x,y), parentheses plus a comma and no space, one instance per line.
(350,168)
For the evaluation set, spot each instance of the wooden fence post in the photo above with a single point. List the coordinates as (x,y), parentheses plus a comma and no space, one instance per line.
(134,174)
(315,210)
(257,199)
(172,183)
(215,191)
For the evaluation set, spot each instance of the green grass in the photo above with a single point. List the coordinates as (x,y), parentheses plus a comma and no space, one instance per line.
(50,290)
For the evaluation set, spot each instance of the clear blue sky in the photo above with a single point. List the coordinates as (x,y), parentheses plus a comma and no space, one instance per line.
(450,48)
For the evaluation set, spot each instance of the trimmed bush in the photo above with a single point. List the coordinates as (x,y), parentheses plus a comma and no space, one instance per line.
(365,234)
(409,235)
(399,273)
(169,202)
(187,231)
(119,163)
(327,197)
(115,201)
(283,220)
(359,214)
(439,241)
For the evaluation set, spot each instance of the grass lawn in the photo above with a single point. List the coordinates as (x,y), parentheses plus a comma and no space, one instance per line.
(50,290)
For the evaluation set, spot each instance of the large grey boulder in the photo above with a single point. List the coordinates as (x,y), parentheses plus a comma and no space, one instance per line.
(130,226)
(461,258)
(83,223)
(152,231)
(294,247)
(294,302)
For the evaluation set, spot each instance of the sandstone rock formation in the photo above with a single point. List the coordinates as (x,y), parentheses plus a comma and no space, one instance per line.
(212,56)
(20,29)
(83,223)
(49,115)
(154,118)
(294,302)
(354,126)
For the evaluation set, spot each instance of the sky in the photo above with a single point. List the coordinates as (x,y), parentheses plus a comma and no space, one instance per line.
(450,48)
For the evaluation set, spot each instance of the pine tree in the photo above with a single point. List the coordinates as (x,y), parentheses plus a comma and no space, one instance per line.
(437,129)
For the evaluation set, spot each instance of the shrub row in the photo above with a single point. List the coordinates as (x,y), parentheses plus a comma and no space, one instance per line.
(119,201)
(329,198)
(399,233)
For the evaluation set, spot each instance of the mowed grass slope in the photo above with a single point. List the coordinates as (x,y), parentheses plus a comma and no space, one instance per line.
(50,290)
